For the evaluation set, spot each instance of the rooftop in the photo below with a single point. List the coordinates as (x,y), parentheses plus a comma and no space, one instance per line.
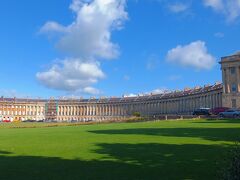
(145,97)
(233,57)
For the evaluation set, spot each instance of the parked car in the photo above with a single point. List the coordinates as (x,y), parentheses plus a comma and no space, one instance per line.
(218,110)
(202,111)
(6,121)
(40,120)
(29,120)
(231,113)
(73,121)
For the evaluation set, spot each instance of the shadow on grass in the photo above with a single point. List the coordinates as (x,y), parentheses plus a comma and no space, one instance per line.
(228,121)
(4,152)
(215,134)
(123,161)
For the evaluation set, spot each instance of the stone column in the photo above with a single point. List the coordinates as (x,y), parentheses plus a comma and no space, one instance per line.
(109,110)
(68,110)
(97,110)
(227,80)
(114,110)
(83,110)
(162,107)
(210,101)
(80,110)
(238,79)
(94,109)
(124,109)
(215,101)
(89,109)
(103,110)
(100,109)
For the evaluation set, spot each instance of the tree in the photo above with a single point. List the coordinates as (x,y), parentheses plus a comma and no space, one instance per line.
(137,114)
(232,169)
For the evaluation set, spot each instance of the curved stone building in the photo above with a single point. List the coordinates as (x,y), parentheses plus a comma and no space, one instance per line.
(224,94)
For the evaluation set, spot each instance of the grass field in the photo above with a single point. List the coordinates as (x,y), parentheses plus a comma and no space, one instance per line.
(192,149)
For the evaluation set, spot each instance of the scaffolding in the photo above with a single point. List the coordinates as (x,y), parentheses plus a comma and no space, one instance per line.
(51,110)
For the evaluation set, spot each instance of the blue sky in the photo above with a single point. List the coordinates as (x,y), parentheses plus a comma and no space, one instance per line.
(113,47)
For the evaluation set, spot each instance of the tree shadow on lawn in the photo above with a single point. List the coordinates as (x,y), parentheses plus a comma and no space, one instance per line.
(215,134)
(227,121)
(5,152)
(132,161)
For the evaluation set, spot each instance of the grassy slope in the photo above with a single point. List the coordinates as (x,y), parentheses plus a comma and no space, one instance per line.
(150,150)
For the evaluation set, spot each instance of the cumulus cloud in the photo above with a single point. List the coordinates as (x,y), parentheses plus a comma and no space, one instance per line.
(90,33)
(130,95)
(216,4)
(159,91)
(193,55)
(88,40)
(14,93)
(178,7)
(230,8)
(219,35)
(72,75)
(91,90)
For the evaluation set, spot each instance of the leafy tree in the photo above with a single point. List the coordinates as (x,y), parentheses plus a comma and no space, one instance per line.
(231,171)
(137,114)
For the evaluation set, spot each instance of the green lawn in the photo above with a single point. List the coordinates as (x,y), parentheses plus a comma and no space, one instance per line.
(192,149)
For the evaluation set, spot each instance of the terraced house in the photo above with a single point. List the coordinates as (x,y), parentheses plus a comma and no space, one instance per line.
(225,94)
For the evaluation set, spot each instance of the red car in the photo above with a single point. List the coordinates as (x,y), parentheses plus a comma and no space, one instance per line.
(7,121)
(218,110)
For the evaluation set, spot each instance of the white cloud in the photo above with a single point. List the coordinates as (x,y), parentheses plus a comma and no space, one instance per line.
(193,55)
(8,92)
(174,77)
(13,93)
(130,95)
(152,62)
(162,90)
(91,90)
(216,4)
(87,39)
(89,35)
(219,35)
(159,91)
(230,8)
(72,75)
(126,77)
(52,26)
(178,7)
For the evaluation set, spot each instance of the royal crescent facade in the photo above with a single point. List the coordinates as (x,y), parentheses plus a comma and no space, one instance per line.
(225,94)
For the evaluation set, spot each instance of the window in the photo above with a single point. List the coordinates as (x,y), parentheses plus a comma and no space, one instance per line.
(234,103)
(232,70)
(234,88)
